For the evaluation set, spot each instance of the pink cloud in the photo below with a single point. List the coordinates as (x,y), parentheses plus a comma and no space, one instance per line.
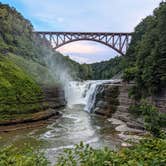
(80,48)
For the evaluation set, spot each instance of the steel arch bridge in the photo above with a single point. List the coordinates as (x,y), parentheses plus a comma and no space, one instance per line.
(117,41)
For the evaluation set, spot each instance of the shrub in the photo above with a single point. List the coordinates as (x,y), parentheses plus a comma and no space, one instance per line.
(153,119)
(150,152)
(129,74)
(12,156)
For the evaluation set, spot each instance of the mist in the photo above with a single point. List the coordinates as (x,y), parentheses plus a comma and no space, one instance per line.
(59,71)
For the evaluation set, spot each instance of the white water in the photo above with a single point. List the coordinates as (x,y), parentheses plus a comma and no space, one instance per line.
(84,93)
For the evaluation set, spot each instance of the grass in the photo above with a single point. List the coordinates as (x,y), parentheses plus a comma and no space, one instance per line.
(38,72)
(17,89)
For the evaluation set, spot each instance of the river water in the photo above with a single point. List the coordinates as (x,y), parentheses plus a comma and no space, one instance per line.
(76,124)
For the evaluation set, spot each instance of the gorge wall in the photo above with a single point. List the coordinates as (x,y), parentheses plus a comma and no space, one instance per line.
(54,96)
(114,97)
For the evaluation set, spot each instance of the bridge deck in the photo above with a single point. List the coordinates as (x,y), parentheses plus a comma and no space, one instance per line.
(118,41)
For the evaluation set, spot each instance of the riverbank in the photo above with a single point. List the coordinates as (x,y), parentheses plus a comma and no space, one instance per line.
(29,121)
(27,118)
(52,99)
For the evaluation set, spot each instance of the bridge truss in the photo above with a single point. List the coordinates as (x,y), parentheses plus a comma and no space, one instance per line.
(117,41)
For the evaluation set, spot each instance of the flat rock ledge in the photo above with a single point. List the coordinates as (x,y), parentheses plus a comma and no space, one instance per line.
(35,117)
(128,134)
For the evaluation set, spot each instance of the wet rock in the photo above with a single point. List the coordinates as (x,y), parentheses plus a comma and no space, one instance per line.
(106,100)
(113,101)
(132,138)
(100,111)
(34,117)
(136,125)
(126,133)
(124,128)
(116,121)
(54,96)
(125,144)
(102,104)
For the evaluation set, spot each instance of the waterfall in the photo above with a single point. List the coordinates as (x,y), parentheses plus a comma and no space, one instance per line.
(91,95)
(75,92)
(94,88)
(84,93)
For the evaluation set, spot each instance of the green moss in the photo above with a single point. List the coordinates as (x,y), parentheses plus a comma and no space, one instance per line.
(17,89)
(39,73)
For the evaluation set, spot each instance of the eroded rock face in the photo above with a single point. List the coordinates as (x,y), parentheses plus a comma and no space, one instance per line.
(113,101)
(159,101)
(114,97)
(54,96)
(107,99)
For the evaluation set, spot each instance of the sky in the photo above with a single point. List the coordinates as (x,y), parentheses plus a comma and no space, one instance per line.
(85,15)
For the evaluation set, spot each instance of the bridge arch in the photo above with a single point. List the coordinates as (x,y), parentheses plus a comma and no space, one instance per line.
(98,41)
(117,41)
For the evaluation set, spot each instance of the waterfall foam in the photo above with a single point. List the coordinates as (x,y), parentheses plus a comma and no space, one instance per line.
(94,88)
(74,93)
(85,92)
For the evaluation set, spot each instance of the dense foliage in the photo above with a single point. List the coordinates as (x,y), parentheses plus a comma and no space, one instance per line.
(146,56)
(12,156)
(145,64)
(150,152)
(154,120)
(15,33)
(107,69)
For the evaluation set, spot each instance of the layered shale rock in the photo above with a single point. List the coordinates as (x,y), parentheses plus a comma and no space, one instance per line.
(112,100)
(53,97)
(114,97)
(107,99)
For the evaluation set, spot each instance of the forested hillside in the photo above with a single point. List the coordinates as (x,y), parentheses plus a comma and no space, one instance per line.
(146,57)
(17,87)
(145,65)
(16,36)
(107,69)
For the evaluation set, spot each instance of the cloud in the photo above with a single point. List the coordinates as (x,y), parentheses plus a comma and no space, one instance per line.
(90,15)
(60,19)
(87,52)
(80,48)
(81,59)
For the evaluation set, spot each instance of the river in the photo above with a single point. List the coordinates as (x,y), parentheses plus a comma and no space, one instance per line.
(76,124)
